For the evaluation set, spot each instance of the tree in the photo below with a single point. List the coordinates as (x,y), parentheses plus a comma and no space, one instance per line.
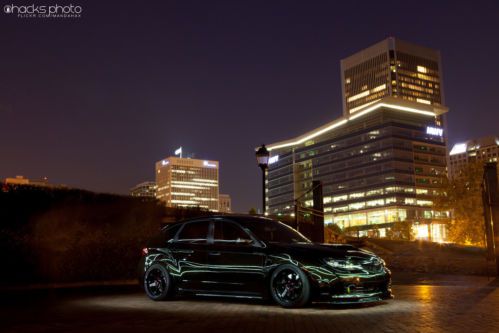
(332,233)
(463,196)
(252,211)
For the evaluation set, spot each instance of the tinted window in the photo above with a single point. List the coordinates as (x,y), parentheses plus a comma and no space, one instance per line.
(229,233)
(194,232)
(166,235)
(274,232)
(171,231)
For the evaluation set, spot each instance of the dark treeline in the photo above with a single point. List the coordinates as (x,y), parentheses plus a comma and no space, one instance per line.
(50,235)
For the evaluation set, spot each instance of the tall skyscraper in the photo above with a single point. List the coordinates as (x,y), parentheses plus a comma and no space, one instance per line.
(384,160)
(186,182)
(391,68)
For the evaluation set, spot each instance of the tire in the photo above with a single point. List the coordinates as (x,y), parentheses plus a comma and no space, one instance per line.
(289,286)
(158,283)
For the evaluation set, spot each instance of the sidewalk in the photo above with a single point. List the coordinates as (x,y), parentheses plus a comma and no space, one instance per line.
(72,285)
(413,278)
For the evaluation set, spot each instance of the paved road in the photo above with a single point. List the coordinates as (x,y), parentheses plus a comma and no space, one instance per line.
(417,308)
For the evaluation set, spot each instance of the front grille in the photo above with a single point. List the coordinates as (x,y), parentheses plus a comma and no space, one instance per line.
(360,265)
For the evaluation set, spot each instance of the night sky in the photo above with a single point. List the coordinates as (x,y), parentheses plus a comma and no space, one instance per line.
(94,102)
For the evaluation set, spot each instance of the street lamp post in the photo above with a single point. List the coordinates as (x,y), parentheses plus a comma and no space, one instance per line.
(262,158)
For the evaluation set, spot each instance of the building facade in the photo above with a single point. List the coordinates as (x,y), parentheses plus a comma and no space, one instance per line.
(482,150)
(391,68)
(382,162)
(186,182)
(144,190)
(225,203)
(21,180)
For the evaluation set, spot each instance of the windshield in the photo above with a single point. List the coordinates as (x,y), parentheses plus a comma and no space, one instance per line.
(275,232)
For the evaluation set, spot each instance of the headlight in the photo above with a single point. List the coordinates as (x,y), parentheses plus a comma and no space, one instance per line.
(363,265)
(343,264)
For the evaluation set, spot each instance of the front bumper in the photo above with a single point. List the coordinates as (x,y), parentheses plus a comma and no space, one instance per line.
(357,289)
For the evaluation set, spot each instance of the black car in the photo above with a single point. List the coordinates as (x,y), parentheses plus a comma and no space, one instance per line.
(256,257)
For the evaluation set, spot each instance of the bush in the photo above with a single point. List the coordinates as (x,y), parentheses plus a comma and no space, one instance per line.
(65,235)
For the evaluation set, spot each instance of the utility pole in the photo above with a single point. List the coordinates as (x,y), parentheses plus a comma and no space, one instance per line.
(490,197)
(318,227)
(314,230)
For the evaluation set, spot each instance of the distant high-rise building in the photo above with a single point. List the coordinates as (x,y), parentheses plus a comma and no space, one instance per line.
(187,182)
(225,203)
(391,68)
(144,189)
(483,150)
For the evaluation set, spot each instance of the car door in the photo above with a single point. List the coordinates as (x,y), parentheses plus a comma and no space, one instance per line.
(235,260)
(189,249)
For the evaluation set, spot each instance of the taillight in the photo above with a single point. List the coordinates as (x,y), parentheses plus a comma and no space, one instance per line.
(145,251)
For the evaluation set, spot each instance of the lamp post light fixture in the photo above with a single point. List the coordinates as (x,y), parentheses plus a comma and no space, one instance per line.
(262,158)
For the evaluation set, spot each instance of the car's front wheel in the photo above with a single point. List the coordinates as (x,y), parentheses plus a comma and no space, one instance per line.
(289,286)
(157,283)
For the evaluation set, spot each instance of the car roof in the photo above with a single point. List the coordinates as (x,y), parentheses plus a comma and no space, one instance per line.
(232,217)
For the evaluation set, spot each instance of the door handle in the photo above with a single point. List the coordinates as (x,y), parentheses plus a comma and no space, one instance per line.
(214,253)
(185,251)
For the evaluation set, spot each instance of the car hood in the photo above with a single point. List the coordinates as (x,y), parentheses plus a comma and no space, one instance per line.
(337,251)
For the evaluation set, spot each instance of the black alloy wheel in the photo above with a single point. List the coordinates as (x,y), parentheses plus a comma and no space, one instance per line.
(290,286)
(157,283)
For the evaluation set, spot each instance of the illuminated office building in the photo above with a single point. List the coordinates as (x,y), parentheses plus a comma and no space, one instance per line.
(380,163)
(483,150)
(144,190)
(391,68)
(187,182)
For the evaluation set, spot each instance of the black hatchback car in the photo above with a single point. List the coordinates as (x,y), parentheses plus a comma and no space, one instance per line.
(256,257)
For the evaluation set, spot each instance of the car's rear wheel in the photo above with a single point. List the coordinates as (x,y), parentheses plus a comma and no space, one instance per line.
(289,286)
(157,283)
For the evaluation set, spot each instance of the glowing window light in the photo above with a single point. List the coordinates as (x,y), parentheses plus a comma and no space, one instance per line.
(185,202)
(340,198)
(191,187)
(409,201)
(379,88)
(356,97)
(205,180)
(424,101)
(193,183)
(422,69)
